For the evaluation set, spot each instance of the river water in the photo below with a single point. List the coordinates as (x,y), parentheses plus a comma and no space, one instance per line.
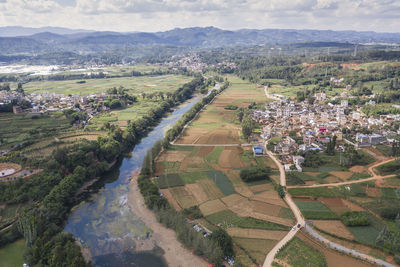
(104,223)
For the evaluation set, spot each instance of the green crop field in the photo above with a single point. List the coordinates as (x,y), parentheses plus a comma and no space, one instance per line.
(314,192)
(170,180)
(213,157)
(255,248)
(315,210)
(392,193)
(19,128)
(136,85)
(192,177)
(228,218)
(297,253)
(11,254)
(223,183)
(367,234)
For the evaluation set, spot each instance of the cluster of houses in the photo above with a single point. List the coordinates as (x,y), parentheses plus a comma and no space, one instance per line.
(49,102)
(310,127)
(193,62)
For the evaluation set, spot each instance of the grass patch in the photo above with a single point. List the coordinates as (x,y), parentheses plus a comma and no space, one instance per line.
(359,176)
(314,192)
(385,150)
(367,234)
(11,254)
(171,166)
(315,210)
(170,180)
(228,218)
(389,168)
(223,183)
(299,254)
(192,177)
(255,248)
(213,157)
(392,193)
(286,213)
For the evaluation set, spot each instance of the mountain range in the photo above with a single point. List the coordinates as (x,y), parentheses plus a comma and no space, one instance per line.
(19,40)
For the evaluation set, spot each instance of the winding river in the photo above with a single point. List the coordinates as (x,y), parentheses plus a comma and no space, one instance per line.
(104,224)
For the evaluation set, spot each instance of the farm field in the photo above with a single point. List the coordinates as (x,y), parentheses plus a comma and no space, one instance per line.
(136,85)
(373,198)
(332,257)
(209,177)
(297,253)
(330,172)
(11,255)
(216,125)
(15,129)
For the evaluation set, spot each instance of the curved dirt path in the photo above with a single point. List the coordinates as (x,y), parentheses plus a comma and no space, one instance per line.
(211,145)
(345,250)
(370,170)
(296,211)
(300,220)
(175,253)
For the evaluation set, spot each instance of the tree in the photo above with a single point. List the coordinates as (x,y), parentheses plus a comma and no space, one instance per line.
(20,89)
(281,191)
(224,241)
(5,87)
(330,148)
(311,159)
(247,126)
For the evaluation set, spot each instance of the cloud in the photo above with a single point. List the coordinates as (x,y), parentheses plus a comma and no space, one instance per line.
(154,15)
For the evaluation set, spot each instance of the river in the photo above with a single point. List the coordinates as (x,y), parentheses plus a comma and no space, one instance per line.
(104,223)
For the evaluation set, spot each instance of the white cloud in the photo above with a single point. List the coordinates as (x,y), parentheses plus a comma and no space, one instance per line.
(153,15)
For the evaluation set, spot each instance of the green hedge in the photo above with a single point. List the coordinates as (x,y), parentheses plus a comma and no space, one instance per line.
(355,218)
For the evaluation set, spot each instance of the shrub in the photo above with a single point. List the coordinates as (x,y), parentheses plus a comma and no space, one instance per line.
(231,107)
(355,218)
(255,174)
(192,212)
(389,213)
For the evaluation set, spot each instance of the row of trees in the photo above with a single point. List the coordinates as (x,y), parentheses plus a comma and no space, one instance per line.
(54,190)
(255,174)
(219,244)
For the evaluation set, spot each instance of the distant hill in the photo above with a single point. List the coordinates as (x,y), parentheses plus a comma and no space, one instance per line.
(14,31)
(50,39)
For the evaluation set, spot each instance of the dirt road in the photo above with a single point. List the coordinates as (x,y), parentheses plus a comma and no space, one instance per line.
(175,253)
(370,170)
(296,211)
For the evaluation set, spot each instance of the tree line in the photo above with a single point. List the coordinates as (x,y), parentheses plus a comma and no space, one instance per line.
(53,192)
(219,244)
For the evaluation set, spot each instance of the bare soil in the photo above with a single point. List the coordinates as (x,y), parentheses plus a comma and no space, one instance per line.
(344,176)
(359,169)
(352,206)
(256,233)
(205,150)
(175,252)
(335,227)
(333,258)
(167,194)
(211,207)
(197,192)
(373,192)
(265,208)
(261,187)
(172,156)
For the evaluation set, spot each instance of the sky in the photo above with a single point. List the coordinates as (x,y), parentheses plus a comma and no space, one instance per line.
(161,15)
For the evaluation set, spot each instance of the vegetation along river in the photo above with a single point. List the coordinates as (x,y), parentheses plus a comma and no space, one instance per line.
(104,224)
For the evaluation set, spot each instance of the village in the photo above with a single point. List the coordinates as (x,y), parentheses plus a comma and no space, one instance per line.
(293,128)
(39,103)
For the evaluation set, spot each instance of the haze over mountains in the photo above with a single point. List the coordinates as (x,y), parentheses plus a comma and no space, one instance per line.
(15,40)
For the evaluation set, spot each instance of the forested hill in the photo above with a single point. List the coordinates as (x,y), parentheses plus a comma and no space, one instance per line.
(54,39)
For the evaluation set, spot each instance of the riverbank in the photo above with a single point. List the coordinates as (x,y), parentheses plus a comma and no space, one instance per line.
(175,253)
